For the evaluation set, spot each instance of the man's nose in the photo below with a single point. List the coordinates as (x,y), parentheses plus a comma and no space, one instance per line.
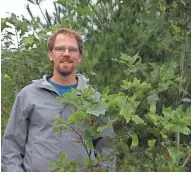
(66,52)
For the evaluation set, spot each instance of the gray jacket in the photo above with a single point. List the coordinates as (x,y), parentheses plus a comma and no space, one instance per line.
(29,142)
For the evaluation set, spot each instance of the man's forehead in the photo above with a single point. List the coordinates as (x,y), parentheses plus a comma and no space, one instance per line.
(63,35)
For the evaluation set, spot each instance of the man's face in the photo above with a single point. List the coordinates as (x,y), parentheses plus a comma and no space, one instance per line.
(65,54)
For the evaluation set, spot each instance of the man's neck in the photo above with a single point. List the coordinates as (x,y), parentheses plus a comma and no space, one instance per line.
(64,80)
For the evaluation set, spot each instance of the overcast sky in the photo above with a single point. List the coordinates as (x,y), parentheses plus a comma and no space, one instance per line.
(18,7)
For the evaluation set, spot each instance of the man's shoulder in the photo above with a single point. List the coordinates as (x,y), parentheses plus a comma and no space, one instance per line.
(27,89)
(31,87)
(82,81)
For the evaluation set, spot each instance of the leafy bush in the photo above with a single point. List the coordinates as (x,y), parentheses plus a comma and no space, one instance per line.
(145,123)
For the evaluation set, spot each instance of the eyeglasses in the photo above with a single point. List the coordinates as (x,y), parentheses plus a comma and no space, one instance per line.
(71,50)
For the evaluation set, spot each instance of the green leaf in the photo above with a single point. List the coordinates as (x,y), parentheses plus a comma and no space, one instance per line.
(70,98)
(63,157)
(152,98)
(53,164)
(175,154)
(182,129)
(89,144)
(57,128)
(168,113)
(98,109)
(95,162)
(101,129)
(126,113)
(135,140)
(87,161)
(88,93)
(105,92)
(136,85)
(152,107)
(29,40)
(76,117)
(6,76)
(59,120)
(163,86)
(84,10)
(151,143)
(137,119)
(164,136)
(152,117)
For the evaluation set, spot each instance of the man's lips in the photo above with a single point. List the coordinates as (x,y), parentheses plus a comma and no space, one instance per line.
(66,62)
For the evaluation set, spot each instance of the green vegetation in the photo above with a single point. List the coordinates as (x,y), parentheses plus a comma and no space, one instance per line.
(137,55)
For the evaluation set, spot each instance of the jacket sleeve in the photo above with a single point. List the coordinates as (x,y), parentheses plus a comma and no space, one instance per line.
(105,145)
(13,146)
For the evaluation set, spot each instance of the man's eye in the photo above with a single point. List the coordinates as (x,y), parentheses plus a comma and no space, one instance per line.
(73,49)
(60,48)
(63,49)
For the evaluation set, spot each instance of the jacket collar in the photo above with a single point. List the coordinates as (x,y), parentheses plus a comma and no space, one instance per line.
(43,83)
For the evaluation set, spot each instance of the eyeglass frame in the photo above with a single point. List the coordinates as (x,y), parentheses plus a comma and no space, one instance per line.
(71,50)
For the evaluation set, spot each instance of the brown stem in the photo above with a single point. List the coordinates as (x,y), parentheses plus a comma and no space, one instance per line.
(89,153)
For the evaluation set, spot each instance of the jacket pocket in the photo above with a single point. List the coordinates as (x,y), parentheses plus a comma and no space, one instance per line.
(44,152)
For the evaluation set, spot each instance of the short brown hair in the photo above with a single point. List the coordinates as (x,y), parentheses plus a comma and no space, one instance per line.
(65,31)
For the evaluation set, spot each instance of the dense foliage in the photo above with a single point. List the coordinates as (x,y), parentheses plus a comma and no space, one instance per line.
(137,55)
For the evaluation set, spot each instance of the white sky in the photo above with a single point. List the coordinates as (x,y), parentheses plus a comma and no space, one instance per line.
(18,7)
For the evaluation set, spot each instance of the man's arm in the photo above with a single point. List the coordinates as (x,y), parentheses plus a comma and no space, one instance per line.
(105,145)
(14,140)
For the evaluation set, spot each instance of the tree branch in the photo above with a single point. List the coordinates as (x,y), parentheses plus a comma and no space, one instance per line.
(82,141)
(186,161)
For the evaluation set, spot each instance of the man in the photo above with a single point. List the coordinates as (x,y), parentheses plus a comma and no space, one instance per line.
(29,143)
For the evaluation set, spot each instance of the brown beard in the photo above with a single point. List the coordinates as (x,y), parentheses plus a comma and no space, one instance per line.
(66,71)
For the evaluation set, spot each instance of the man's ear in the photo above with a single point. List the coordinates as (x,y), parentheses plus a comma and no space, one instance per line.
(50,55)
(80,58)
